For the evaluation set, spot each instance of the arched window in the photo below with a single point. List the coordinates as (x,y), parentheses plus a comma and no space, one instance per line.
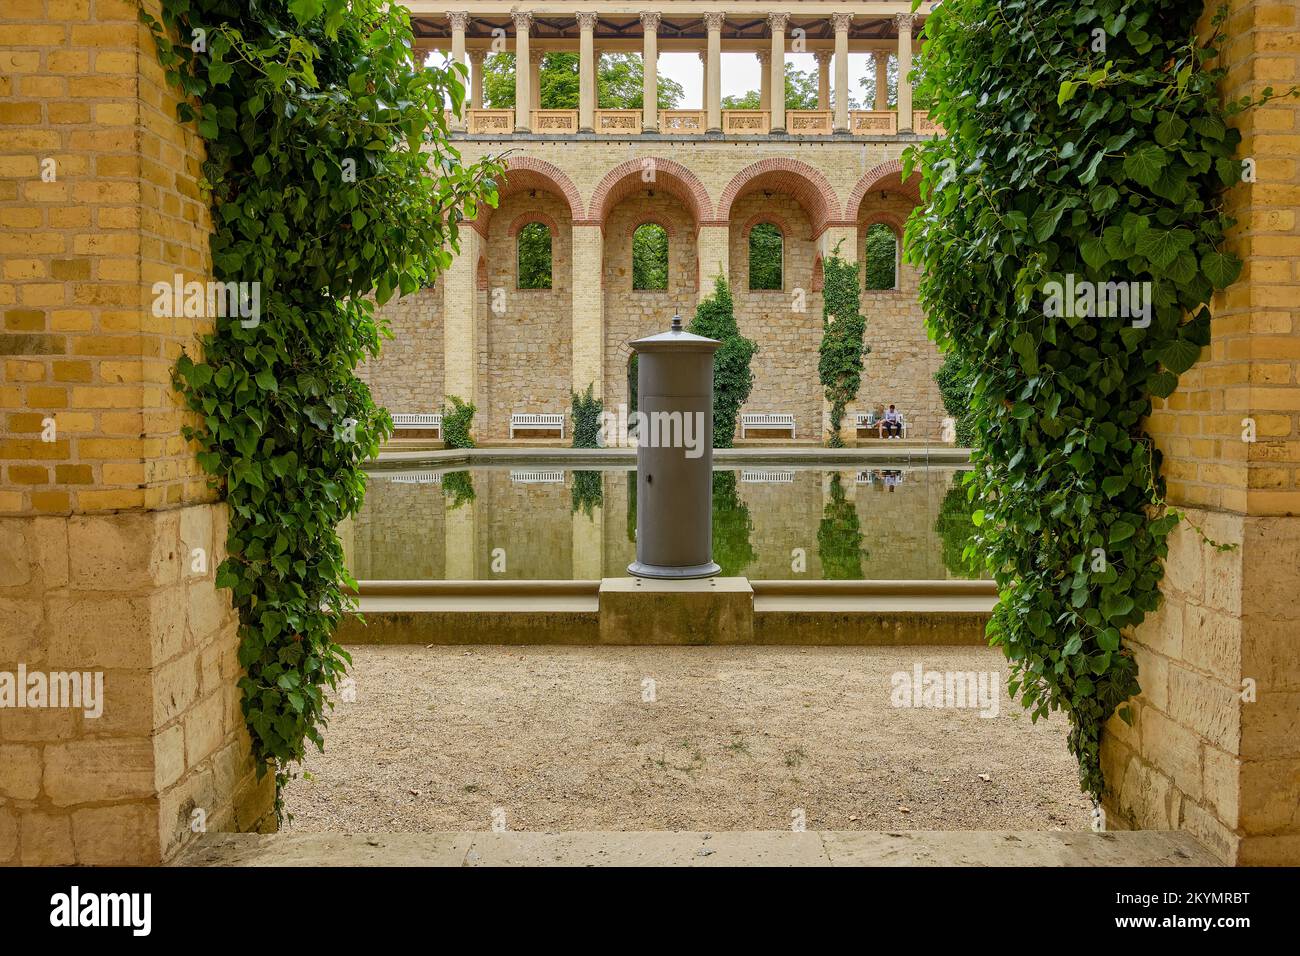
(882,257)
(650,257)
(535,256)
(765,257)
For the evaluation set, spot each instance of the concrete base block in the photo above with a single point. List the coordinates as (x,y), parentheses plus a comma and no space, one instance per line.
(701,611)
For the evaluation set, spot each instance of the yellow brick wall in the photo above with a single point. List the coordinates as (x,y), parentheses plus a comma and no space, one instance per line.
(86,103)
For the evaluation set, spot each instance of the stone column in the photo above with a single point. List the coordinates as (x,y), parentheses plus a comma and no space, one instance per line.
(714,250)
(713,71)
(904,21)
(880,59)
(588,308)
(535,79)
(523,95)
(823,58)
(650,72)
(841,21)
(586,72)
(476,58)
(777,22)
(764,80)
(459,22)
(459,352)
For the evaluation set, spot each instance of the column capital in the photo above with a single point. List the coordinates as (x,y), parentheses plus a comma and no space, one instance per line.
(587,20)
(842,22)
(905,21)
(476,56)
(523,21)
(459,20)
(704,56)
(777,21)
(713,21)
(764,57)
(650,20)
(535,57)
(822,56)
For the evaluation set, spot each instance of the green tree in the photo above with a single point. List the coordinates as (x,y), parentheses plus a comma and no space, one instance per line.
(733,378)
(800,93)
(839,366)
(619,82)
(954,383)
(766,257)
(839,536)
(882,257)
(650,257)
(534,256)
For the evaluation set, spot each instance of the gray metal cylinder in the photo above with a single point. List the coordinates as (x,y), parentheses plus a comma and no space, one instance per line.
(674,458)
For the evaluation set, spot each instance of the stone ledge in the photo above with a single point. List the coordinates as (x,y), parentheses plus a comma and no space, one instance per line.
(685,848)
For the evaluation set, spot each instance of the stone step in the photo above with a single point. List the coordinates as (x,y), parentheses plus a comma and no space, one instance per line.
(717,848)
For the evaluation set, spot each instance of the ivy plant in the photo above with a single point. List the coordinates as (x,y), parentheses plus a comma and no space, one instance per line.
(733,379)
(1086,144)
(586,410)
(332,185)
(457,423)
(839,364)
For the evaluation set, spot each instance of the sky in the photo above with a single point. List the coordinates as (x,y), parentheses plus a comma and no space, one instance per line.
(740,73)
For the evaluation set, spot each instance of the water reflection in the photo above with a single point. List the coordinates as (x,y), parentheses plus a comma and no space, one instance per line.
(771,522)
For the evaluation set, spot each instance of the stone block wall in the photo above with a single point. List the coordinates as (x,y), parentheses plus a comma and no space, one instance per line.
(99,199)
(1214,749)
(408,375)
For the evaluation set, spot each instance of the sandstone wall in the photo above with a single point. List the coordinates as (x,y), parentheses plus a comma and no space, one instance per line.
(408,376)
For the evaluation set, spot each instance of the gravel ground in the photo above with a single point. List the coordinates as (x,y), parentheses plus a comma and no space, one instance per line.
(441,738)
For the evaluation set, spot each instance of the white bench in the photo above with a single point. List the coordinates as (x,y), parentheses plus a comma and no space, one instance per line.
(536,422)
(412,422)
(766,420)
(766,476)
(872,420)
(536,476)
(416,478)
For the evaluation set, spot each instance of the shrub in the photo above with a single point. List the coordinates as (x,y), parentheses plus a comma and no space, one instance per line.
(456,423)
(733,378)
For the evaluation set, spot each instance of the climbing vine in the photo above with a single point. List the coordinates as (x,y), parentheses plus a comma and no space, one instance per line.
(1086,144)
(331,183)
(715,318)
(457,423)
(585,411)
(839,365)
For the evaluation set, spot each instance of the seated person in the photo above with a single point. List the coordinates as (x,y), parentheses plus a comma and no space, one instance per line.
(893,423)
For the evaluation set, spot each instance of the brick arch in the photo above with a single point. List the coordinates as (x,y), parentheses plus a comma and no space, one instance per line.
(524,218)
(652,219)
(670,176)
(768,217)
(481,273)
(809,187)
(819,274)
(523,173)
(882,217)
(887,176)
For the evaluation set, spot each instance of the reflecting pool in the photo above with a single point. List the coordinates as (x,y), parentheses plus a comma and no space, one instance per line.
(555,522)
